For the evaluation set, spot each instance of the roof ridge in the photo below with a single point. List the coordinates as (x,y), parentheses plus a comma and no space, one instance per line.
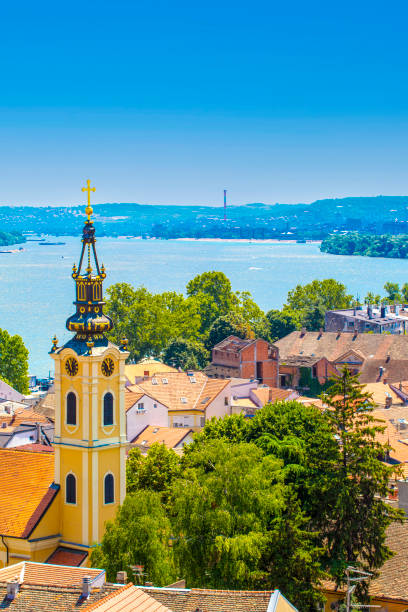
(103,600)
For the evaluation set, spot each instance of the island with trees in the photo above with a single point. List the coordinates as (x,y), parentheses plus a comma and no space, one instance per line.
(354,243)
(7,238)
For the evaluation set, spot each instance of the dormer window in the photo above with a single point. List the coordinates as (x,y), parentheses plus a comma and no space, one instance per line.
(165,381)
(183,400)
(155,381)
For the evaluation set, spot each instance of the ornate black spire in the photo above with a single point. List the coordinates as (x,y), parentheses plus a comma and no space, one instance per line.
(89,322)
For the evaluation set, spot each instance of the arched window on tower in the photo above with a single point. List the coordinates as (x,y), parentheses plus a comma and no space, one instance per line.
(108,409)
(109,489)
(71,409)
(70,489)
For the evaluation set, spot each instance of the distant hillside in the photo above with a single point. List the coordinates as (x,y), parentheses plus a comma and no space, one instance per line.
(373,215)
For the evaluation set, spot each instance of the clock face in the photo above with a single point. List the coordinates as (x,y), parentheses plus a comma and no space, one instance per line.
(107,366)
(71,366)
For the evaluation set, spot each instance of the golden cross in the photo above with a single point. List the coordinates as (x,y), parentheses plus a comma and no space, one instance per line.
(88,209)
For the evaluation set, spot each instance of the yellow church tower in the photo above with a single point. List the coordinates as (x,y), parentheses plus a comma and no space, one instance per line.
(90,424)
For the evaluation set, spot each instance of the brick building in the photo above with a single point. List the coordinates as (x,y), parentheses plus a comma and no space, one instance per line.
(234,357)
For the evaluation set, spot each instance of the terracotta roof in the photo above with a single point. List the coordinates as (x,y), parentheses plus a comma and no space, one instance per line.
(51,587)
(49,575)
(379,350)
(152,366)
(395,421)
(132,397)
(32,598)
(36,448)
(243,402)
(67,556)
(392,582)
(268,395)
(22,416)
(169,436)
(380,391)
(198,394)
(208,600)
(26,489)
(130,599)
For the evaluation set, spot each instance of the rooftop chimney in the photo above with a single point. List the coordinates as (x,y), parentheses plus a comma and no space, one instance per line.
(86,586)
(302,332)
(13,587)
(121,577)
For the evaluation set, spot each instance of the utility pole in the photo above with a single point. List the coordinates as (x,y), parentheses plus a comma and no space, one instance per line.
(351,577)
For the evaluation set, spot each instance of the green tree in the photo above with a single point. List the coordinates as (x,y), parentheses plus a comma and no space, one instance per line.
(230,324)
(355,526)
(186,354)
(13,361)
(282,323)
(150,321)
(253,315)
(329,292)
(139,535)
(154,471)
(214,297)
(393,292)
(237,526)
(313,315)
(404,292)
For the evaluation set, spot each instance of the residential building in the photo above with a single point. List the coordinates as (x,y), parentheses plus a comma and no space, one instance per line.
(174,438)
(234,357)
(143,410)
(306,355)
(190,398)
(384,319)
(145,368)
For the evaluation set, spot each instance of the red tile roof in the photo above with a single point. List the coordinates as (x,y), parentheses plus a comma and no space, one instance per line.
(127,599)
(49,575)
(26,490)
(199,394)
(67,556)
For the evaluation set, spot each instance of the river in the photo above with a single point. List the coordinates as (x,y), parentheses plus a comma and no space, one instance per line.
(38,291)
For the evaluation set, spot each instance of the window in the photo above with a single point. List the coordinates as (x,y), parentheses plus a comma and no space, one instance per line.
(71,409)
(70,492)
(226,400)
(202,421)
(192,379)
(109,489)
(154,405)
(183,400)
(155,381)
(140,406)
(108,409)
(165,381)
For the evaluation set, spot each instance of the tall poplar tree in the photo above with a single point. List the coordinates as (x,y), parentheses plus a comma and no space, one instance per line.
(356,518)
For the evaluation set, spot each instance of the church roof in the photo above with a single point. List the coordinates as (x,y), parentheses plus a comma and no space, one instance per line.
(26,490)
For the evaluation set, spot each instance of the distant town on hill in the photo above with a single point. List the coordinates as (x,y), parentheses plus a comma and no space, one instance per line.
(368,215)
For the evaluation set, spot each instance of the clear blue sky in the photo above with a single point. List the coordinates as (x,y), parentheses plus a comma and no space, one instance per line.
(170,102)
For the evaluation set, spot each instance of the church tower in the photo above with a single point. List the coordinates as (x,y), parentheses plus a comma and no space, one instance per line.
(90,424)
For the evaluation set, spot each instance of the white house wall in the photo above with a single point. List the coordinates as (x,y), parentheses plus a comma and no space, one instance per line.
(137,420)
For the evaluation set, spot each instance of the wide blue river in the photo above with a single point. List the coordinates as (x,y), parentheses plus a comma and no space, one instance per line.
(37,291)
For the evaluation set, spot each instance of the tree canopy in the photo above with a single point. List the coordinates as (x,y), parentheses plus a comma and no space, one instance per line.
(13,361)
